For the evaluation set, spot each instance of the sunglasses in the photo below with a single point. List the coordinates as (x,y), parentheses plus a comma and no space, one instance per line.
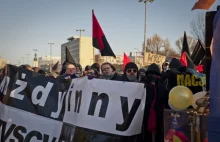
(131,70)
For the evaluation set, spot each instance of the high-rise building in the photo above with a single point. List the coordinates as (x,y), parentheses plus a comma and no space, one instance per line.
(81,50)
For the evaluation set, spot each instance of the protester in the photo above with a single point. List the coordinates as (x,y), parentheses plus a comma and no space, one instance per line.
(92,73)
(78,70)
(70,71)
(96,66)
(41,72)
(153,116)
(141,75)
(130,72)
(165,67)
(86,70)
(27,67)
(109,72)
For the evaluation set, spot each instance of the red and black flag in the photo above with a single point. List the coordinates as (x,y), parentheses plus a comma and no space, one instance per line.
(186,61)
(185,54)
(99,40)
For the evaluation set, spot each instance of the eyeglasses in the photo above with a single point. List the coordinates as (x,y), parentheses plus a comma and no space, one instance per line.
(71,68)
(91,73)
(131,70)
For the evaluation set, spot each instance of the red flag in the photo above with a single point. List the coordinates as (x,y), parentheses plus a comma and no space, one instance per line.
(203,4)
(183,59)
(99,40)
(126,60)
(200,68)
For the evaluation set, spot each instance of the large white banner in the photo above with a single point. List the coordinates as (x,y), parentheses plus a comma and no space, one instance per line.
(18,125)
(38,108)
(108,106)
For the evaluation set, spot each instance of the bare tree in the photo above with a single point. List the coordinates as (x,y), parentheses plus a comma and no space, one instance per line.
(191,42)
(198,27)
(155,43)
(168,50)
(158,45)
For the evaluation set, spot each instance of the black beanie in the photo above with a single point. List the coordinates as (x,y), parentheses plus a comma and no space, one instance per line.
(130,65)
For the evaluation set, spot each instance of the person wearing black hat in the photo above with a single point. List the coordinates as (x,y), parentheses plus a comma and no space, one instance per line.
(130,72)
(152,112)
(96,66)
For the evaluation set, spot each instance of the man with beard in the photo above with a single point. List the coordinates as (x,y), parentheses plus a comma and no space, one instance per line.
(130,72)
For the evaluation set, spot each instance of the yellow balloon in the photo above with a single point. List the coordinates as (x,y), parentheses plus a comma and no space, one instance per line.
(176,139)
(180,97)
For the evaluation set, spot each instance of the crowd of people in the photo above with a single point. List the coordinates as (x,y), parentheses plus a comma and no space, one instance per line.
(157,83)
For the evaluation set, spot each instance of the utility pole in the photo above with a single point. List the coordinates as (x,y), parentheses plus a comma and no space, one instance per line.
(145,27)
(50,55)
(80,34)
(19,62)
(23,60)
(28,58)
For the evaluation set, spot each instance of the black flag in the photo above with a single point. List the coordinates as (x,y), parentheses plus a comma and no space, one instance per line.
(185,47)
(54,68)
(69,58)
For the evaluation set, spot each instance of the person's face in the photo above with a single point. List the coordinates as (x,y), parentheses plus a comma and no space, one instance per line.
(71,69)
(91,72)
(77,69)
(131,72)
(166,66)
(107,70)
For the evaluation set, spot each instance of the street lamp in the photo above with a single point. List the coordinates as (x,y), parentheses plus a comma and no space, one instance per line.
(28,58)
(80,34)
(145,24)
(50,55)
(19,62)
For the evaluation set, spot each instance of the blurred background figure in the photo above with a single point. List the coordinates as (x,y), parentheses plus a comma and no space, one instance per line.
(92,73)
(141,75)
(78,70)
(96,66)
(27,67)
(86,70)
(165,67)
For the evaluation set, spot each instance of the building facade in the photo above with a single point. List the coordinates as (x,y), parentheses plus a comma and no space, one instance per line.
(102,59)
(81,50)
(134,57)
(45,62)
